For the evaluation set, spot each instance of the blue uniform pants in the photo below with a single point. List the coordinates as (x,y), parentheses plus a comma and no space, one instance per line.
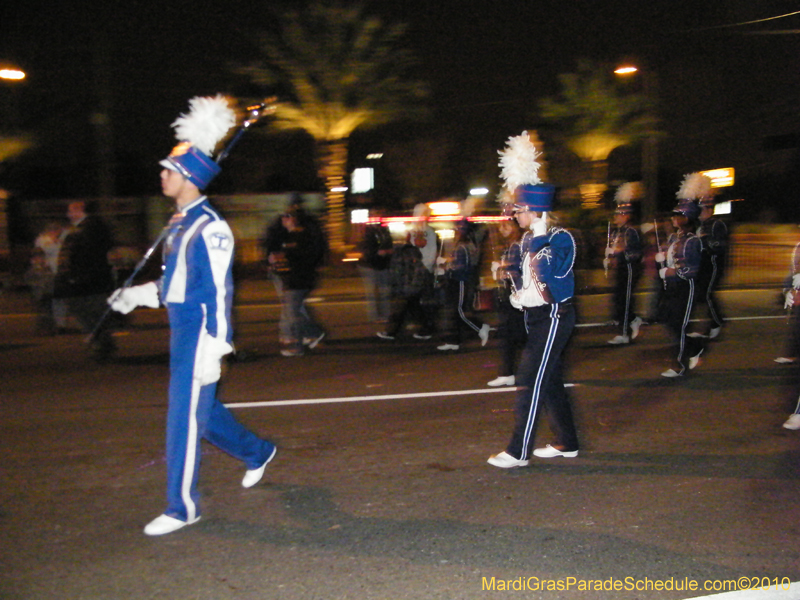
(196,413)
(540,379)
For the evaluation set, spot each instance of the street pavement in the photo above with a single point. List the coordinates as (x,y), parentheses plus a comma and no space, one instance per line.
(380,489)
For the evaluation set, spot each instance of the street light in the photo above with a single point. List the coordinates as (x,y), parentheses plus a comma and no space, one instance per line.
(12,74)
(650,144)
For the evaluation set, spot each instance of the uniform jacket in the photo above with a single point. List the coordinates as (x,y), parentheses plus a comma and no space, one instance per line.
(684,254)
(198,269)
(627,245)
(552,257)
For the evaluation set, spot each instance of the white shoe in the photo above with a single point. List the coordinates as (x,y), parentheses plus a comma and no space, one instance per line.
(550,452)
(484,334)
(782,360)
(696,334)
(165,524)
(695,360)
(620,339)
(793,422)
(253,476)
(498,381)
(635,325)
(448,347)
(384,336)
(312,342)
(422,336)
(505,461)
(714,332)
(671,373)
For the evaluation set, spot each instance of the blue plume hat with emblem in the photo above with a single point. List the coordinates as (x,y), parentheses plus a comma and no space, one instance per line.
(199,132)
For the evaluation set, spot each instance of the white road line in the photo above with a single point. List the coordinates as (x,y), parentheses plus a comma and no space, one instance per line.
(367,398)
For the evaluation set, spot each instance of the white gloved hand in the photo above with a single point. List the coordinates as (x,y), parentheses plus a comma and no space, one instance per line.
(660,257)
(796,281)
(788,299)
(209,364)
(609,251)
(606,263)
(495,267)
(539,226)
(662,272)
(124,300)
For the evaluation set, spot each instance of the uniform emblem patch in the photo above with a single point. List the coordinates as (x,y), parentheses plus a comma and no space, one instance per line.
(220,241)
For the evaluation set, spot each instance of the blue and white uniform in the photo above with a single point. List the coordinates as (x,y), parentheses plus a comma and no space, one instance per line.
(197,289)
(549,323)
(683,257)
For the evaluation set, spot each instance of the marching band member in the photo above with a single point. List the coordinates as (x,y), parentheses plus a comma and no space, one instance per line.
(543,288)
(197,290)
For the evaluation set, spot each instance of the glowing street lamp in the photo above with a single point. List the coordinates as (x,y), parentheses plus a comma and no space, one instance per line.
(650,144)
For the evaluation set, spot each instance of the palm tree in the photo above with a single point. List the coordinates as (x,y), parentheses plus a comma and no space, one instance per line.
(336,69)
(594,116)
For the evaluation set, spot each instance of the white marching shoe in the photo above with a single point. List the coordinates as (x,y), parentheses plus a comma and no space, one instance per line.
(551,452)
(253,476)
(165,524)
(635,325)
(498,381)
(620,339)
(505,461)
(793,422)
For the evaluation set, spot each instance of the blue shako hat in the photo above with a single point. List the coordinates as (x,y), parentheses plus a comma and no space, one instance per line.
(688,208)
(199,132)
(192,164)
(537,197)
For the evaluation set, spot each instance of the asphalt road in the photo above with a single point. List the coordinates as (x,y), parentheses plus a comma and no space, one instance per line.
(380,489)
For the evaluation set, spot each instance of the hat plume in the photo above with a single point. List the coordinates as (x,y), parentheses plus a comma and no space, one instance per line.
(518,162)
(208,121)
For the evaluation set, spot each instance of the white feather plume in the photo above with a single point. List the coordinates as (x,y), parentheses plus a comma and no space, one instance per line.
(628,192)
(208,121)
(694,186)
(518,162)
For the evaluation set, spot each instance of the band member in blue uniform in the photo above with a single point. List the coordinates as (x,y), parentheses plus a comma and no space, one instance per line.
(681,264)
(624,257)
(713,232)
(197,290)
(543,286)
(511,334)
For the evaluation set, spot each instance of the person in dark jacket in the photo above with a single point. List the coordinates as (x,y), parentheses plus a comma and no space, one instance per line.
(376,253)
(409,281)
(302,252)
(84,277)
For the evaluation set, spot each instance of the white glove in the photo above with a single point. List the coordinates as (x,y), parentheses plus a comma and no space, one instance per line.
(662,272)
(606,263)
(208,368)
(609,251)
(441,260)
(539,226)
(124,300)
(495,266)
(796,281)
(660,258)
(789,300)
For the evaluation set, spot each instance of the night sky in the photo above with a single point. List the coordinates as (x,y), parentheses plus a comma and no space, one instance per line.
(723,90)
